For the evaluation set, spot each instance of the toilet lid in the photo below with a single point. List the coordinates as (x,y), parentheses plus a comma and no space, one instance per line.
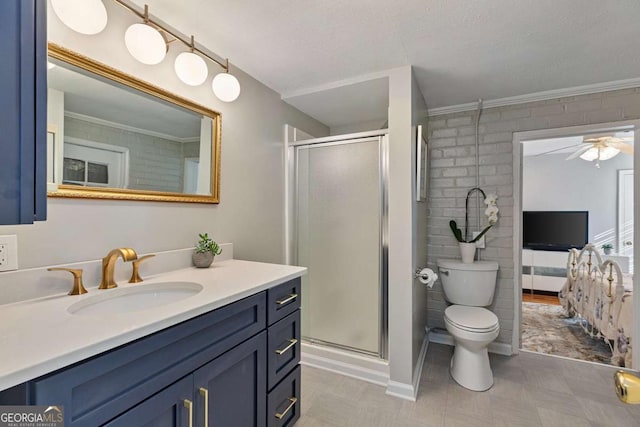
(475,319)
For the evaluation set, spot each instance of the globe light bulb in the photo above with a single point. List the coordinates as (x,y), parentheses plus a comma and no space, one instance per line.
(82,16)
(226,87)
(145,44)
(191,68)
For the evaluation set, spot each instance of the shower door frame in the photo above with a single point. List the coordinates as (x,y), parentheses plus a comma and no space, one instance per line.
(292,170)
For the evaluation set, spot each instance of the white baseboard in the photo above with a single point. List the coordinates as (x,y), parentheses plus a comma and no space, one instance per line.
(357,366)
(495,347)
(406,391)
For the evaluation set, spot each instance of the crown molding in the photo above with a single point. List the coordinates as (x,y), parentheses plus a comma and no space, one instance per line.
(116,125)
(538,96)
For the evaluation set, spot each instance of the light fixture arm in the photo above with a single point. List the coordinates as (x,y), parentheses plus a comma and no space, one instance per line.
(148,20)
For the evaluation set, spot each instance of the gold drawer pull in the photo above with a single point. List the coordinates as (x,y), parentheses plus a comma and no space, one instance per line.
(290,298)
(189,405)
(205,396)
(292,342)
(280,415)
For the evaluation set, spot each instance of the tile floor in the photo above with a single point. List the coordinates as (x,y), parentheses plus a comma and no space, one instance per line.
(529,390)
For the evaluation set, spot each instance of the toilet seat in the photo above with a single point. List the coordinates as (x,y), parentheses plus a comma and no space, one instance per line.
(471,319)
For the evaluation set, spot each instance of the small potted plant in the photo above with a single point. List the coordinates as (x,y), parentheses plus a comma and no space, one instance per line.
(607,248)
(205,251)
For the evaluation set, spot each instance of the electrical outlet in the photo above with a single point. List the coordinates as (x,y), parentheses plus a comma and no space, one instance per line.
(8,252)
(479,243)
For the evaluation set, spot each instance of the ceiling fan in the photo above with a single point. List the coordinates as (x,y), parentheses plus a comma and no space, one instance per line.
(599,147)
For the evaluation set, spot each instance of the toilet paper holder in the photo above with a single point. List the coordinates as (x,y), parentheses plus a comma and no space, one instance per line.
(426,276)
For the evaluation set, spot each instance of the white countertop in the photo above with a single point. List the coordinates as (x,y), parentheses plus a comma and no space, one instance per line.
(40,336)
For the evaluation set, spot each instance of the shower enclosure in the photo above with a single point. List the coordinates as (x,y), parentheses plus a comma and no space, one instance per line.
(339,232)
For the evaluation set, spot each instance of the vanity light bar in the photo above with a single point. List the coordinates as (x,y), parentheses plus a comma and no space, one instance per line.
(147,43)
(189,43)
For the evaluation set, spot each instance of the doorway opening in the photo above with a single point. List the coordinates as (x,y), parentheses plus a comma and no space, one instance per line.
(574,187)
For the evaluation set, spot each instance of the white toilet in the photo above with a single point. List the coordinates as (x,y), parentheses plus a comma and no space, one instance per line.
(470,288)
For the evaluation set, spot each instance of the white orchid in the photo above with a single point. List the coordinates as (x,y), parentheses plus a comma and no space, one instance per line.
(491,199)
(492,210)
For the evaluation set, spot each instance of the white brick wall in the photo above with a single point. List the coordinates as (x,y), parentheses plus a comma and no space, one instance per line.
(452,174)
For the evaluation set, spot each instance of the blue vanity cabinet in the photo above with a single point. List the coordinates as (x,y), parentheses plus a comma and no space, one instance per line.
(23,111)
(172,407)
(283,354)
(228,391)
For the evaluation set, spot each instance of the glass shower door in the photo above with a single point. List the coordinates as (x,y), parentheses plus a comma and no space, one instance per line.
(339,201)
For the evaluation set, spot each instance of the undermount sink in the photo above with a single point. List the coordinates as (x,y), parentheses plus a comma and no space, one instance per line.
(135,298)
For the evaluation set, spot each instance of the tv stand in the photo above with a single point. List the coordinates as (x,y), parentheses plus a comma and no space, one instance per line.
(547,270)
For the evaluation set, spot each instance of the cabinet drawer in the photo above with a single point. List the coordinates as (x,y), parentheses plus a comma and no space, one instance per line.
(283,352)
(283,403)
(93,391)
(283,300)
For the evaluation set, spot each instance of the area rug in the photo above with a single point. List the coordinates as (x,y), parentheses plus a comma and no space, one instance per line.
(546,329)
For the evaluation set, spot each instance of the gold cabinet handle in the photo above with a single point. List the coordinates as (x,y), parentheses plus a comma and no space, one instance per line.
(292,400)
(205,395)
(189,405)
(290,298)
(78,287)
(135,274)
(292,342)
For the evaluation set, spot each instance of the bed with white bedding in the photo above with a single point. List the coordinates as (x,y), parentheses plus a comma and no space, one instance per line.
(601,296)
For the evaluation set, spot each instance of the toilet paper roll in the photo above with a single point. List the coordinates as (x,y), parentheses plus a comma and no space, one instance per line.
(428,277)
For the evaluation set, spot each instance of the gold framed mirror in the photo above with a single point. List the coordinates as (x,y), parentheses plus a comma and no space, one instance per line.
(113,136)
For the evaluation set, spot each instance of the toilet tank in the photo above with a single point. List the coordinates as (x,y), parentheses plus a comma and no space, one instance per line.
(468,284)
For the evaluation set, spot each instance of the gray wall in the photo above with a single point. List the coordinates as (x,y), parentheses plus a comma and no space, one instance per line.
(154,163)
(250,211)
(554,184)
(452,175)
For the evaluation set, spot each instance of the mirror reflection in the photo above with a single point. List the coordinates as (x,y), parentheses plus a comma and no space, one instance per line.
(110,134)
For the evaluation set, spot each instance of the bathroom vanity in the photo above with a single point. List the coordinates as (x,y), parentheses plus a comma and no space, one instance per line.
(225,356)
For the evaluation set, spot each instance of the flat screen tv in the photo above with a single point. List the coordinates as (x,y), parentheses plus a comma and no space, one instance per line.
(555,230)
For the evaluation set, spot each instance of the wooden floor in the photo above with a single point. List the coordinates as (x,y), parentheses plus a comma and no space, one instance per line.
(542,299)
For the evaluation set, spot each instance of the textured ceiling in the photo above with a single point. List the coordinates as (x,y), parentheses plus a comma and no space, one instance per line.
(462,50)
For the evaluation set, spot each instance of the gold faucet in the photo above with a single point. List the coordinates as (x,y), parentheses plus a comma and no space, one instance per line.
(109,264)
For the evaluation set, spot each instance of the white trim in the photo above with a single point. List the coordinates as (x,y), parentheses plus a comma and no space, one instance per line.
(501,348)
(417,372)
(346,137)
(106,147)
(365,368)
(518,139)
(336,84)
(620,209)
(538,96)
(402,390)
(108,123)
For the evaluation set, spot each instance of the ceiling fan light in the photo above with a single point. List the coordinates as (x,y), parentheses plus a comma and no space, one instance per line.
(191,68)
(590,155)
(82,16)
(607,153)
(226,87)
(145,44)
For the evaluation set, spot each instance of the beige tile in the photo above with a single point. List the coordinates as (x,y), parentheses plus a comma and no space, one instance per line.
(551,418)
(614,415)
(466,402)
(552,400)
(454,419)
(548,379)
